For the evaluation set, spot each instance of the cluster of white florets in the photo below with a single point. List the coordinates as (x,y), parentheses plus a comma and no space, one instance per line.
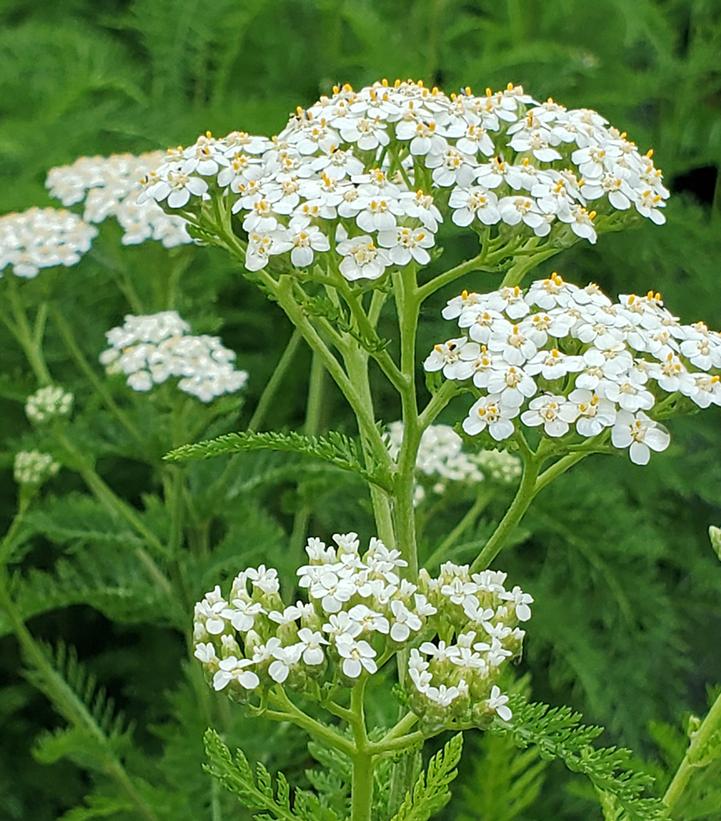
(50,402)
(109,187)
(42,238)
(454,677)
(359,613)
(32,468)
(368,174)
(151,349)
(443,462)
(578,363)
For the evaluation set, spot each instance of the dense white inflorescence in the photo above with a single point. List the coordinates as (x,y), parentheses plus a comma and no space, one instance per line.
(570,362)
(50,402)
(42,238)
(109,187)
(359,613)
(33,468)
(367,174)
(442,461)
(151,349)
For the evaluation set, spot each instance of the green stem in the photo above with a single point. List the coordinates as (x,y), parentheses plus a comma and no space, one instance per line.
(76,353)
(22,331)
(362,787)
(467,521)
(357,365)
(559,467)
(407,307)
(276,378)
(362,779)
(114,504)
(514,514)
(396,377)
(515,274)
(313,424)
(450,275)
(289,712)
(694,755)
(448,390)
(531,484)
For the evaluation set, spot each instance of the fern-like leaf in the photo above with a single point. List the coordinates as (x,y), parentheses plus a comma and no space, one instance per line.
(256,790)
(558,733)
(431,791)
(336,448)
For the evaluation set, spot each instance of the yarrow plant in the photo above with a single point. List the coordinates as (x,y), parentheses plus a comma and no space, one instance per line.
(580,364)
(108,187)
(342,220)
(42,238)
(149,350)
(360,613)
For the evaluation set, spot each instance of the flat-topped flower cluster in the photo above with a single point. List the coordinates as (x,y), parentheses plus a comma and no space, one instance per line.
(578,363)
(42,238)
(359,613)
(368,175)
(109,187)
(443,462)
(151,349)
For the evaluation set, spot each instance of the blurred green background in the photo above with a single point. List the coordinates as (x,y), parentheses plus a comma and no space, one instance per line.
(629,592)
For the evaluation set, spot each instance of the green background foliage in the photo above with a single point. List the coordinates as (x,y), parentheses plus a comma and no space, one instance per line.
(628,592)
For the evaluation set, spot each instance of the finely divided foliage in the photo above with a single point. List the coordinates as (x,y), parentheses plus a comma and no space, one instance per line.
(372,655)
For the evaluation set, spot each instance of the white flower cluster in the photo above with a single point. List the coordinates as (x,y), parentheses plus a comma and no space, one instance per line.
(33,468)
(109,187)
(454,677)
(42,238)
(358,614)
(368,174)
(577,362)
(442,461)
(151,349)
(50,402)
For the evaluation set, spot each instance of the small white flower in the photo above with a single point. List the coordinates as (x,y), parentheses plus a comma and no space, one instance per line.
(311,642)
(492,413)
(357,656)
(454,358)
(551,411)
(362,259)
(406,244)
(640,435)
(404,621)
(499,704)
(233,670)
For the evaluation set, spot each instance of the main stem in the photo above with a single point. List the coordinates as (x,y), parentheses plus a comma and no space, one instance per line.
(407,306)
(710,725)
(362,779)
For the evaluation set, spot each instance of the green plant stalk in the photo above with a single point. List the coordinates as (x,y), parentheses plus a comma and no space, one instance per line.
(313,419)
(467,521)
(408,308)
(362,777)
(532,483)
(78,356)
(709,727)
(520,504)
(23,333)
(270,390)
(114,504)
